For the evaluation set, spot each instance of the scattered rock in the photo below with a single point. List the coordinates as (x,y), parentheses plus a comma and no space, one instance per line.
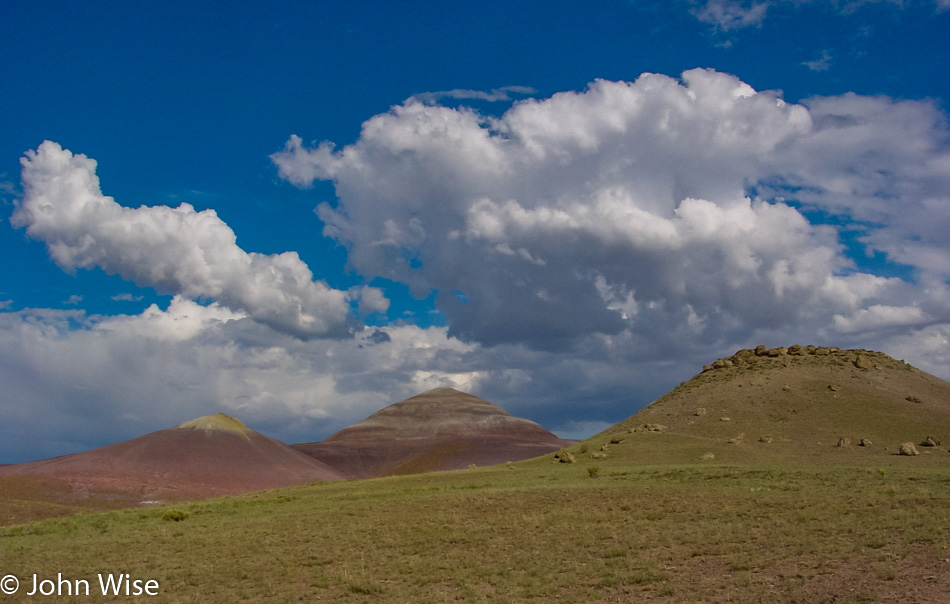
(865,443)
(834,387)
(472,466)
(843,442)
(604,447)
(736,440)
(565,457)
(908,449)
(761,350)
(913,399)
(787,388)
(707,456)
(861,362)
(598,456)
(700,412)
(725,419)
(930,441)
(616,440)
(765,439)
(776,352)
(795,350)
(707,368)
(648,428)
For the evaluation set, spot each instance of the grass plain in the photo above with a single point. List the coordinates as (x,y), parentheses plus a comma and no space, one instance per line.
(535,531)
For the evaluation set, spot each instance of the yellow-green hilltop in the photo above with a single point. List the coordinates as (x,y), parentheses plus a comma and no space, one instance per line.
(220,422)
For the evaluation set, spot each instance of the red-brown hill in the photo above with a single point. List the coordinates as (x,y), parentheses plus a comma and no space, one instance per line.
(208,456)
(441,429)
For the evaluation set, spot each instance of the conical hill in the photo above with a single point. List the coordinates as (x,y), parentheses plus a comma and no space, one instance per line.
(441,429)
(208,456)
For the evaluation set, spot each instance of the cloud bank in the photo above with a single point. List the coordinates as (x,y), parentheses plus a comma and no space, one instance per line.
(74,381)
(174,250)
(695,212)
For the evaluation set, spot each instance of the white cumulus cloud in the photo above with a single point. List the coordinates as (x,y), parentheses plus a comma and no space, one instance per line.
(174,250)
(673,210)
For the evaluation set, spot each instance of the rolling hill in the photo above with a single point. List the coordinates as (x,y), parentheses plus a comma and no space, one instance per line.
(795,404)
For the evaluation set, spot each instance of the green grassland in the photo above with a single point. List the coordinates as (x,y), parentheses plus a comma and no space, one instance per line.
(532,531)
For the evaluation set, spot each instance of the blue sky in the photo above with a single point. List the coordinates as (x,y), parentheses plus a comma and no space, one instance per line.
(383,198)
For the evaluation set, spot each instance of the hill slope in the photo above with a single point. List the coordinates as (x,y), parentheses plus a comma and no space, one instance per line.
(790,404)
(441,429)
(208,456)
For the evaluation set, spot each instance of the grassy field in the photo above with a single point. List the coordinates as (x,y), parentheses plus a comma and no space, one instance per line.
(532,531)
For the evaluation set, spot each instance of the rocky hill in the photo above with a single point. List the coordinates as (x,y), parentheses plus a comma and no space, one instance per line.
(801,403)
(441,429)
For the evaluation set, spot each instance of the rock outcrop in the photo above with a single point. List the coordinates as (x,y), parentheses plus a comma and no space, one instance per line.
(761,355)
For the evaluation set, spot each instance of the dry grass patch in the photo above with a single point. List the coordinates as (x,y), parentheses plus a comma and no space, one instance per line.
(539,533)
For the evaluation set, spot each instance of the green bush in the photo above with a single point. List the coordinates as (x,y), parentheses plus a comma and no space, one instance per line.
(176,515)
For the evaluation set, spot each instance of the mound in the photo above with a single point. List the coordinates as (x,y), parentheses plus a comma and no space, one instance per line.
(789,405)
(441,429)
(208,456)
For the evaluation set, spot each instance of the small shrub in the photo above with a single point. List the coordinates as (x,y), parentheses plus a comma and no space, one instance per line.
(887,575)
(647,576)
(593,471)
(175,515)
(363,588)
